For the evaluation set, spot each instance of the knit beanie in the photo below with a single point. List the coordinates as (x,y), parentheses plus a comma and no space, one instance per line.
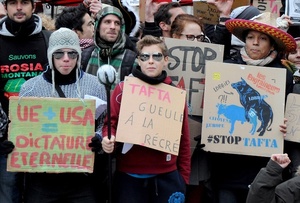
(63,38)
(244,12)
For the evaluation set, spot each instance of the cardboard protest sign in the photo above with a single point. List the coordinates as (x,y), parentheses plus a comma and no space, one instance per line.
(243,108)
(210,13)
(51,134)
(292,9)
(292,113)
(272,6)
(186,67)
(151,115)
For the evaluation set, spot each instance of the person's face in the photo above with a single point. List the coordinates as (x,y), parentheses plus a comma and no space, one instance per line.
(258,45)
(152,61)
(65,60)
(19,10)
(87,27)
(109,28)
(189,31)
(294,57)
(2,11)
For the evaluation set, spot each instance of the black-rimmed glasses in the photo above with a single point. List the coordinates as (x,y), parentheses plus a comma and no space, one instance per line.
(60,54)
(200,38)
(146,56)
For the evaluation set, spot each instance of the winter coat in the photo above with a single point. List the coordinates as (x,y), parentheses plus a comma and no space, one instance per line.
(268,186)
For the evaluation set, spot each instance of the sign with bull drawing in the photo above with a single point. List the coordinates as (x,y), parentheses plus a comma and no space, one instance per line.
(243,108)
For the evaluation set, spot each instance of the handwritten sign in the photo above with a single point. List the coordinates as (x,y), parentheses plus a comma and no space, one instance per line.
(292,113)
(186,67)
(151,115)
(210,13)
(243,111)
(51,134)
(272,6)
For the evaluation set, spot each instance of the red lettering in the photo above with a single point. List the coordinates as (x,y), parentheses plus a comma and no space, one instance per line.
(24,67)
(86,161)
(88,116)
(24,157)
(79,142)
(45,159)
(22,141)
(34,114)
(25,113)
(66,118)
(76,119)
(78,162)
(14,159)
(4,68)
(33,158)
(56,142)
(133,86)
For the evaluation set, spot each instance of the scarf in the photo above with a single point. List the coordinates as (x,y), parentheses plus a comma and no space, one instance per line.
(258,62)
(136,72)
(23,29)
(85,43)
(60,79)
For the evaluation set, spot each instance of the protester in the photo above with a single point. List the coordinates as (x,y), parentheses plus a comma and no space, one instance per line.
(268,185)
(292,63)
(62,78)
(110,42)
(159,17)
(263,42)
(23,46)
(188,27)
(144,174)
(242,12)
(79,20)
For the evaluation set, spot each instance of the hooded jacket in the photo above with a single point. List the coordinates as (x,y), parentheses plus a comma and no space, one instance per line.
(268,186)
(105,52)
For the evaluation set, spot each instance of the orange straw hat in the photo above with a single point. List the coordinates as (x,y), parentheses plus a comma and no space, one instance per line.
(265,23)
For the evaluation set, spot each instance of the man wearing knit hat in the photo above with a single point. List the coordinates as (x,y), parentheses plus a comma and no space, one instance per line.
(23,53)
(109,38)
(63,78)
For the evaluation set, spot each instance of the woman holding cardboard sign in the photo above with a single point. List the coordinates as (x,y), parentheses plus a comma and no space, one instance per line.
(145,174)
(263,43)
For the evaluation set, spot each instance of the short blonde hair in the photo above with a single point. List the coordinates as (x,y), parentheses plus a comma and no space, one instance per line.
(149,40)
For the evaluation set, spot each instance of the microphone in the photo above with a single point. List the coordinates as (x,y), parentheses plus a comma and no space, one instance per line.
(106,75)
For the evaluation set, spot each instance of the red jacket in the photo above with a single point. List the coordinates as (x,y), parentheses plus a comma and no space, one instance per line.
(144,160)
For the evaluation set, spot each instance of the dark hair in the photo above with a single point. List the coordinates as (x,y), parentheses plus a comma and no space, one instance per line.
(163,14)
(272,41)
(180,21)
(71,17)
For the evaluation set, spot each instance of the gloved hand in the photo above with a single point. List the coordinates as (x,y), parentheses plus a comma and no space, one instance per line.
(95,144)
(6,147)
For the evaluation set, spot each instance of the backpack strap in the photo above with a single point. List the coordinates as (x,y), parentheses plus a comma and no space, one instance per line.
(127,63)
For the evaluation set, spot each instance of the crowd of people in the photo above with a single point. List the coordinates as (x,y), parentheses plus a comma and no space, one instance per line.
(61,58)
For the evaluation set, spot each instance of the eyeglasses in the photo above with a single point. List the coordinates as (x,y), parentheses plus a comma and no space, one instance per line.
(60,54)
(200,38)
(155,56)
